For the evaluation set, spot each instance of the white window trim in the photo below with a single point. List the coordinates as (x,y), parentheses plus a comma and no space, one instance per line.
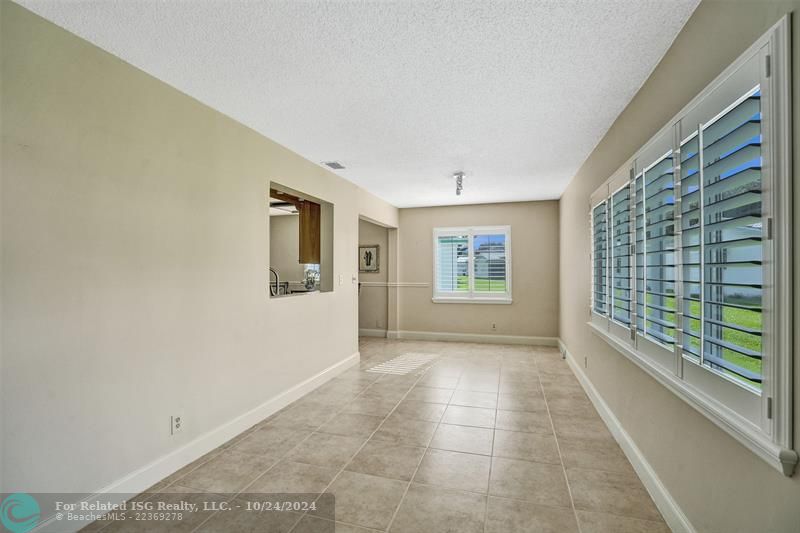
(772,441)
(472,297)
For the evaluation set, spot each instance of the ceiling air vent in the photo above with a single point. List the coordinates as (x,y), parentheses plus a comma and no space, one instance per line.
(335,165)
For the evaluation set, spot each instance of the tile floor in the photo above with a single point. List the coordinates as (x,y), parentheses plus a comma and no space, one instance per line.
(488,438)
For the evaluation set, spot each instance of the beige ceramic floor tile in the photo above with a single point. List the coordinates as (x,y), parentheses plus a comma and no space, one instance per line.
(430,394)
(352,425)
(366,501)
(288,476)
(611,492)
(527,421)
(597,454)
(469,416)
(323,449)
(434,510)
(270,441)
(474,399)
(454,470)
(526,446)
(607,523)
(463,439)
(432,412)
(228,472)
(400,429)
(387,459)
(535,482)
(514,516)
(521,402)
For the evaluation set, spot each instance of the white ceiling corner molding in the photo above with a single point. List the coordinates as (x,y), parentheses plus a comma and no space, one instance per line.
(516,95)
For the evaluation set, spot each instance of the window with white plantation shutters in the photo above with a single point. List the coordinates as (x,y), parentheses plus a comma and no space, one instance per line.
(472,264)
(691,253)
(730,254)
(658,251)
(621,255)
(600,256)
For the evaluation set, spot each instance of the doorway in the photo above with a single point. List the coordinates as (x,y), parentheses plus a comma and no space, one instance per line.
(373,279)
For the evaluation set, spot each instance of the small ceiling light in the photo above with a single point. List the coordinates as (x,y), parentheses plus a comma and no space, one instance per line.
(459,177)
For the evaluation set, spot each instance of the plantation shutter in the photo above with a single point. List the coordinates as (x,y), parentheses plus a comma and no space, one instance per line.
(725,256)
(600,255)
(621,255)
(452,252)
(658,265)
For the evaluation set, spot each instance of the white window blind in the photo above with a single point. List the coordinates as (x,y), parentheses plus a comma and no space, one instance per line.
(472,264)
(691,253)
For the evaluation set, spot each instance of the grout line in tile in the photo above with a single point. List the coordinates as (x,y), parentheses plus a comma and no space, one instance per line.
(339,473)
(285,455)
(422,458)
(560,457)
(491,455)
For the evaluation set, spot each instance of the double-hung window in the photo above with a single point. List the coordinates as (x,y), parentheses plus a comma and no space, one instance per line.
(691,253)
(472,264)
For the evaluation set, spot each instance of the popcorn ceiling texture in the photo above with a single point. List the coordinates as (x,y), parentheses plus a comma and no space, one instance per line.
(516,94)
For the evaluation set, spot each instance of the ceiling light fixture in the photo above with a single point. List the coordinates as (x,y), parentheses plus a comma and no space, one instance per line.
(459,176)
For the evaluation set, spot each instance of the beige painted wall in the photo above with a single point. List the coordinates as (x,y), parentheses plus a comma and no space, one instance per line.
(372,302)
(376,210)
(720,485)
(134,265)
(534,241)
(284,247)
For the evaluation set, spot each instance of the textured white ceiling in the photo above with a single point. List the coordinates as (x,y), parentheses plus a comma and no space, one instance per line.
(516,94)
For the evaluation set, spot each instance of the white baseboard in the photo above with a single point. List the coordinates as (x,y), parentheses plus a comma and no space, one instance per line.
(672,513)
(150,474)
(472,337)
(364,332)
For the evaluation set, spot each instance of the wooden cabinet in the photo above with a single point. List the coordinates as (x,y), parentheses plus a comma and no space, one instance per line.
(309,232)
(309,236)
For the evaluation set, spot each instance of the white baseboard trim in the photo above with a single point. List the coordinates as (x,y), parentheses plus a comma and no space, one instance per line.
(472,337)
(150,474)
(672,513)
(364,332)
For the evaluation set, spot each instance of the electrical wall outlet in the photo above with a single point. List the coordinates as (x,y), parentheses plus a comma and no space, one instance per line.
(494,327)
(176,424)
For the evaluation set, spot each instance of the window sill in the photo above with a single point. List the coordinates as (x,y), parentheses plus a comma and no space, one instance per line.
(781,459)
(457,300)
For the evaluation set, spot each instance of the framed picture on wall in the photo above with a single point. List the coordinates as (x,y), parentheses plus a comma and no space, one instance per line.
(368,258)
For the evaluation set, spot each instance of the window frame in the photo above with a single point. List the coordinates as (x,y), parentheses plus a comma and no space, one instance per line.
(472,296)
(760,420)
